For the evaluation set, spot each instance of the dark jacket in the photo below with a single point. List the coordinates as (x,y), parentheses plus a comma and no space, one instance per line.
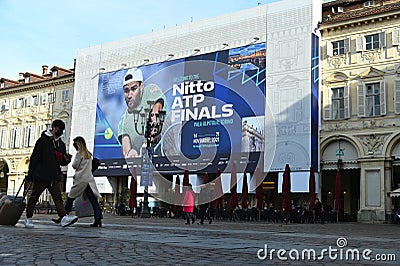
(43,165)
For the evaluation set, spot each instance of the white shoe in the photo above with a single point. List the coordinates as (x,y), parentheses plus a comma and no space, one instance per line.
(28,223)
(68,220)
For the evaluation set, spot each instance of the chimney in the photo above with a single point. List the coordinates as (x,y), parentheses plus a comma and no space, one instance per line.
(21,75)
(45,69)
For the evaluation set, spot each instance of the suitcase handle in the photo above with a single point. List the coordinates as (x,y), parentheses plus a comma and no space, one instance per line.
(25,192)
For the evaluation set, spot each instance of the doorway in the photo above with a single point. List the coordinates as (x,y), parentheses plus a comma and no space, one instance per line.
(350,192)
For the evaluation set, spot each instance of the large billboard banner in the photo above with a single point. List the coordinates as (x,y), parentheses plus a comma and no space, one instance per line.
(214,108)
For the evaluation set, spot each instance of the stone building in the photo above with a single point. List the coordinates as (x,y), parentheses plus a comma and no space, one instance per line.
(360,105)
(27,107)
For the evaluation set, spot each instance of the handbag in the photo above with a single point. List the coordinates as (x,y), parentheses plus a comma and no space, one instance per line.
(83,208)
(95,164)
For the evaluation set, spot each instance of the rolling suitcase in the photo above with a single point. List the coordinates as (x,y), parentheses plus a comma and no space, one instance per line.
(12,207)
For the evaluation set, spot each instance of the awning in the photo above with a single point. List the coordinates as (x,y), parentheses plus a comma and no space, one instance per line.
(395,193)
(332,165)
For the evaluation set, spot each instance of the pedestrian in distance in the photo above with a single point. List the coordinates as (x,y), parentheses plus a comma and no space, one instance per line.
(83,183)
(188,204)
(139,209)
(44,170)
(318,211)
(205,213)
(204,208)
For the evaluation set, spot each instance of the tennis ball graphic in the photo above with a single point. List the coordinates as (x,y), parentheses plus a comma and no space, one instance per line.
(108,133)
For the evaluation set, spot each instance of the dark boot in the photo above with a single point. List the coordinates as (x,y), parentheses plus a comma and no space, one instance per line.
(97,223)
(187,221)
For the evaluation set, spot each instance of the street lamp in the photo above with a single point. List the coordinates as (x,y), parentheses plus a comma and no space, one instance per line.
(152,134)
(340,164)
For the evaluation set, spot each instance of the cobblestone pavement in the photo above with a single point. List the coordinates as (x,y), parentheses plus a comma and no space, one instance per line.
(162,241)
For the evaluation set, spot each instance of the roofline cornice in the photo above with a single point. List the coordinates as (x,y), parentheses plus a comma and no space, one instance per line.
(38,85)
(352,22)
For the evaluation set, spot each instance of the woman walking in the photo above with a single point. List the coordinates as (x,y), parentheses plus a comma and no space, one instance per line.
(84,182)
(188,204)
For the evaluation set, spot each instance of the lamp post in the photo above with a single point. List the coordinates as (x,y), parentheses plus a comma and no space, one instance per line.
(146,163)
(154,124)
(340,164)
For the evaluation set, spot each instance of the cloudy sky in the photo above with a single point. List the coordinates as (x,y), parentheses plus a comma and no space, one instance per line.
(44,32)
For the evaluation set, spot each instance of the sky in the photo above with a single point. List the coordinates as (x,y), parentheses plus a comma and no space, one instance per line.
(50,32)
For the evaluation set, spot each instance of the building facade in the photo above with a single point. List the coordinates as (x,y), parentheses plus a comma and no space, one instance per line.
(27,108)
(360,105)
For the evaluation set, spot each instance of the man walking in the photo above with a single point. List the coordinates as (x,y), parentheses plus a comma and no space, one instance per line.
(44,171)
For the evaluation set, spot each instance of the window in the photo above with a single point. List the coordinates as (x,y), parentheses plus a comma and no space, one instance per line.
(372,99)
(65,95)
(51,97)
(369,3)
(372,41)
(19,103)
(54,73)
(29,136)
(338,103)
(28,100)
(35,100)
(15,137)
(43,98)
(338,9)
(3,138)
(338,47)
(5,106)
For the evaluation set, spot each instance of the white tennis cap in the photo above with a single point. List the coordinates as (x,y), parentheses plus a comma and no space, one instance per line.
(133,74)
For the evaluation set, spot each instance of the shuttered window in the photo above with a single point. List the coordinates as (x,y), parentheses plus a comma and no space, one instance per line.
(3,138)
(397,96)
(371,99)
(370,42)
(15,137)
(29,135)
(336,103)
